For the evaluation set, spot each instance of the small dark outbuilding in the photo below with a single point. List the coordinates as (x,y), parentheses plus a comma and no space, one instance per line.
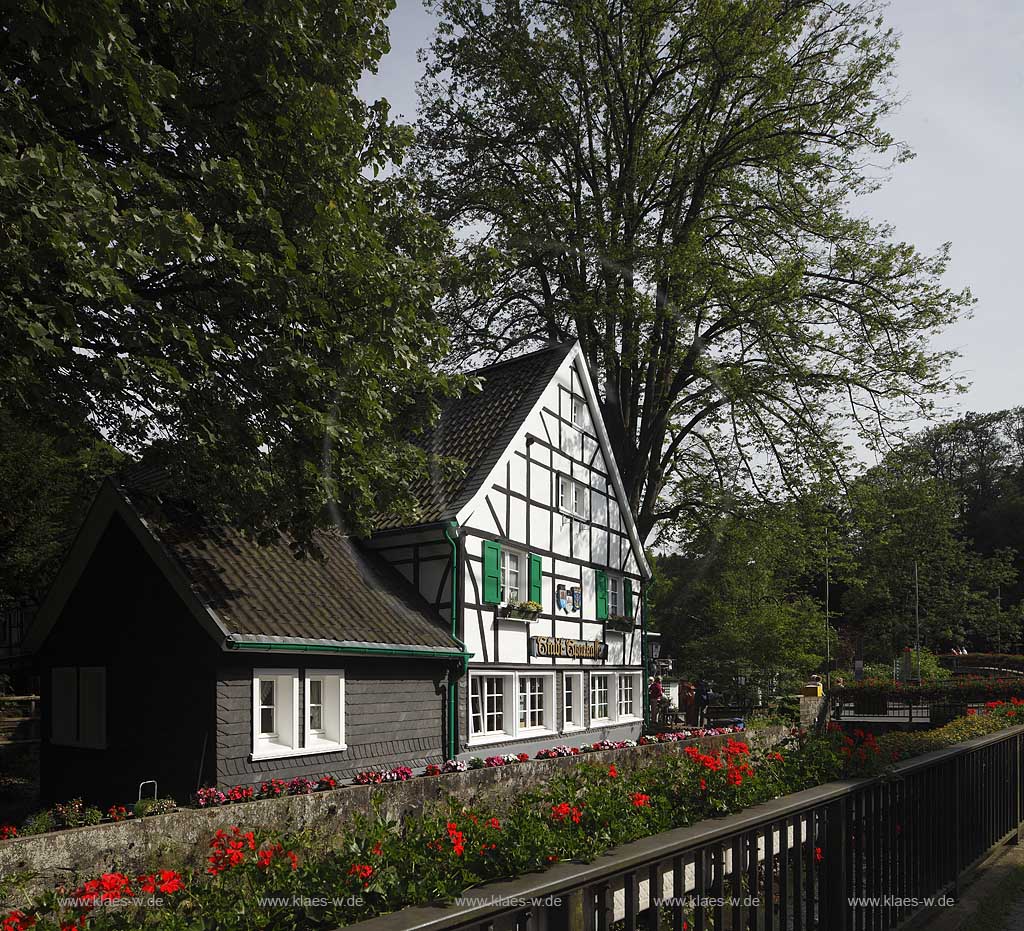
(176,651)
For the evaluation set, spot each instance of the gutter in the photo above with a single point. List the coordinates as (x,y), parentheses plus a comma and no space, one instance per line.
(644,655)
(344,650)
(452,686)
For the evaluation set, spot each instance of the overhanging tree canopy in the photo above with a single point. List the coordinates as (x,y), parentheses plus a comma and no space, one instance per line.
(671,182)
(198,255)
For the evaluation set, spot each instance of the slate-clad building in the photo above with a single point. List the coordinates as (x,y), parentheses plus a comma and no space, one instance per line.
(507,618)
(173,651)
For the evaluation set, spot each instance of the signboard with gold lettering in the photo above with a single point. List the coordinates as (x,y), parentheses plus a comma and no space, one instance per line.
(571,649)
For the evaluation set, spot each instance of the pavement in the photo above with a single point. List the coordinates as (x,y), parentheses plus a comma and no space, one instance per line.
(992,900)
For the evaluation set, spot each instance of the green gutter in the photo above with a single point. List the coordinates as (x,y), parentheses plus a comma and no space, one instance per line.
(644,655)
(452,686)
(345,650)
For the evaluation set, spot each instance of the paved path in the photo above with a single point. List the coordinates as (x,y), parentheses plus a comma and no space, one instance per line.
(992,901)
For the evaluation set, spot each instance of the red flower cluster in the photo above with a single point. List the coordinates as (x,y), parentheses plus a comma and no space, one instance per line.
(363,872)
(457,838)
(7,831)
(818,855)
(240,793)
(564,810)
(707,760)
(166,881)
(265,856)
(640,800)
(118,813)
(613,773)
(273,788)
(229,849)
(377,850)
(494,823)
(18,921)
(433,770)
(108,888)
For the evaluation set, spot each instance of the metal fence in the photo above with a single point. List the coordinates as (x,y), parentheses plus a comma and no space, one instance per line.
(858,855)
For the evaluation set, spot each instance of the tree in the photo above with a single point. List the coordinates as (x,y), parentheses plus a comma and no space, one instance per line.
(200,255)
(896,516)
(744,600)
(671,183)
(48,479)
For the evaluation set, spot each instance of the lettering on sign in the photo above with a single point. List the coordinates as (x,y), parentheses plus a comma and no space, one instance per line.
(572,649)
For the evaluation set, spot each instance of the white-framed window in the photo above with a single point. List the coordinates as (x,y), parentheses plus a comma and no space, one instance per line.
(628,695)
(534,702)
(503,706)
(275,702)
(572,700)
(487,705)
(78,706)
(573,497)
(513,564)
(614,594)
(578,411)
(325,710)
(600,697)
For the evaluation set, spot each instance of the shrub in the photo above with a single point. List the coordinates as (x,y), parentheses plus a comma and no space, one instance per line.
(154,806)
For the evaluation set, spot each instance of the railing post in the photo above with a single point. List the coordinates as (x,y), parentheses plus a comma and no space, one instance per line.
(958,808)
(836,843)
(1018,836)
(572,914)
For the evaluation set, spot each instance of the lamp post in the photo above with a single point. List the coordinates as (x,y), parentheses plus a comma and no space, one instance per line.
(828,637)
(917,620)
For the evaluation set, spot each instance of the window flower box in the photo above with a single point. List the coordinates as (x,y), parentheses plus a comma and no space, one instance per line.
(521,610)
(619,622)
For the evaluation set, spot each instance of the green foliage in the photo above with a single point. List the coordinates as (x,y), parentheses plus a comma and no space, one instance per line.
(740,605)
(39,823)
(76,814)
(203,258)
(672,184)
(962,689)
(154,806)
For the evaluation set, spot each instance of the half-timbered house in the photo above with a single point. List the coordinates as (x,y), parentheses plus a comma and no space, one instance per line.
(549,572)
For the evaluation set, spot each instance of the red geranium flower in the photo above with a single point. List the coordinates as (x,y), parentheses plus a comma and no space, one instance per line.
(640,800)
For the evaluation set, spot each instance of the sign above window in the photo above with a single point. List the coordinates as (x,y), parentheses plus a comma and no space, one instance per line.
(573,649)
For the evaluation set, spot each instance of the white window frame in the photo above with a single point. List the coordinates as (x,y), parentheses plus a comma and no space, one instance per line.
(611,705)
(331,737)
(546,695)
(285,740)
(573,497)
(483,734)
(511,728)
(573,681)
(523,566)
(577,411)
(633,678)
(615,595)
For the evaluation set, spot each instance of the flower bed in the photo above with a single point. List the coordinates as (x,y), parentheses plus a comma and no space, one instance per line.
(379,865)
(76,814)
(963,689)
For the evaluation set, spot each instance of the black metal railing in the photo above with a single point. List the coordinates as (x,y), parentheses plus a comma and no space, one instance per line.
(857,855)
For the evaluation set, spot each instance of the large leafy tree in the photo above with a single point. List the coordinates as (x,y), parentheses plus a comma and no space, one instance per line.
(202,257)
(746,598)
(672,183)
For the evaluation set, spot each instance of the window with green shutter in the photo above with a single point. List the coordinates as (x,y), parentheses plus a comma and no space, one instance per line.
(492,572)
(602,595)
(536,579)
(628,588)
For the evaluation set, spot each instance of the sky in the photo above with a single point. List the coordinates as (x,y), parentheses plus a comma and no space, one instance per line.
(960,73)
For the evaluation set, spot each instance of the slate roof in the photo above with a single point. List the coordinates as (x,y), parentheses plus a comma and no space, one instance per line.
(477,428)
(349,596)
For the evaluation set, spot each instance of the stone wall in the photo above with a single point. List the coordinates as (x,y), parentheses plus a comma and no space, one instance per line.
(74,855)
(814,712)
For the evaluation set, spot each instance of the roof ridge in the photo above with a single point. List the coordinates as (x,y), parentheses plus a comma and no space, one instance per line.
(552,346)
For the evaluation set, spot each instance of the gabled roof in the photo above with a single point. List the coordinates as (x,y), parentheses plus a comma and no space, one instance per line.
(478,427)
(244,592)
(481,430)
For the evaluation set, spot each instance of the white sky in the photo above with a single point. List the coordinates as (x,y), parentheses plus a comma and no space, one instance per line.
(961,71)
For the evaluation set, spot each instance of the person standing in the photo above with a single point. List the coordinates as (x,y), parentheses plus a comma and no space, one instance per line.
(703,698)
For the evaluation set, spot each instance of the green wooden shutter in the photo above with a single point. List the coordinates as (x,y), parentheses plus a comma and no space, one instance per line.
(628,588)
(492,572)
(536,578)
(602,595)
